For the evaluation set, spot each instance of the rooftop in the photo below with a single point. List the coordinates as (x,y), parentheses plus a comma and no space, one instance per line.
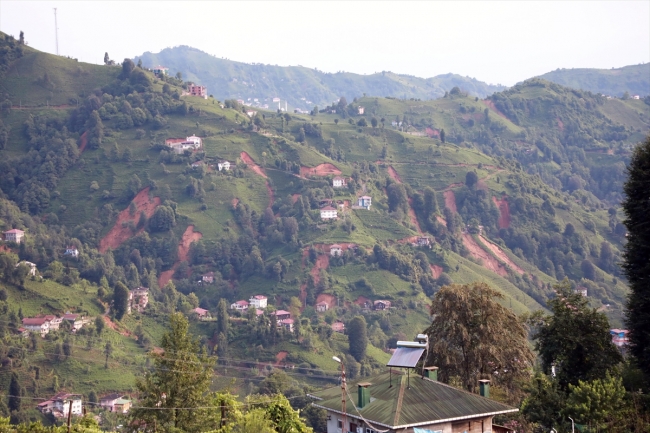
(425,402)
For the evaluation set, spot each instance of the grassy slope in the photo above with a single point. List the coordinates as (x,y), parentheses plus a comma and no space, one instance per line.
(633,79)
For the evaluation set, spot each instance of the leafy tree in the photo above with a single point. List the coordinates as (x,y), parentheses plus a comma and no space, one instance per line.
(575,339)
(358,338)
(397,197)
(163,219)
(362,122)
(442,135)
(120,300)
(127,67)
(597,402)
(99,324)
(15,393)
(474,337)
(430,201)
(108,351)
(21,38)
(374,122)
(181,379)
(544,402)
(222,317)
(636,265)
(471,178)
(107,60)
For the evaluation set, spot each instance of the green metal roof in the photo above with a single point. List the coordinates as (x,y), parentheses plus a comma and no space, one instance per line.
(426,401)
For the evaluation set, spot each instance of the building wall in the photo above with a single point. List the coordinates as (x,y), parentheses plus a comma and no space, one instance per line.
(480,425)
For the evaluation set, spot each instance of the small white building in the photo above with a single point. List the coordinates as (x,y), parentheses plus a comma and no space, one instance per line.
(71,251)
(365,202)
(336,250)
(328,212)
(361,110)
(55,322)
(160,70)
(339,182)
(223,165)
(239,305)
(321,307)
(14,235)
(138,299)
(251,113)
(258,301)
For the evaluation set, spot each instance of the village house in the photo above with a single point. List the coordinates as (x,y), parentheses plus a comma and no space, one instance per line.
(619,337)
(381,305)
(160,70)
(276,99)
(202,314)
(223,165)
(14,235)
(37,324)
(286,324)
(364,201)
(196,90)
(336,250)
(55,322)
(423,241)
(208,278)
(321,307)
(582,290)
(30,265)
(197,164)
(180,145)
(21,332)
(258,301)
(239,305)
(76,321)
(328,212)
(59,405)
(282,314)
(71,251)
(396,403)
(361,110)
(138,299)
(338,326)
(251,113)
(115,402)
(338,182)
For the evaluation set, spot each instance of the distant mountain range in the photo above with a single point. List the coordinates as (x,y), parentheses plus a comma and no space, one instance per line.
(304,88)
(301,87)
(634,79)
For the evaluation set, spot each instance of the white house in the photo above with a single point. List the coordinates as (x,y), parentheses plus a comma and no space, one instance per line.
(365,201)
(14,235)
(287,324)
(251,113)
(223,165)
(138,299)
(321,307)
(37,324)
(71,251)
(338,182)
(361,110)
(76,321)
(62,403)
(55,321)
(160,70)
(258,301)
(336,250)
(239,305)
(328,212)
(180,145)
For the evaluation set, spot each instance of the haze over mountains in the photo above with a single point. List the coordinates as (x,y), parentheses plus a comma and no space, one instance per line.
(303,87)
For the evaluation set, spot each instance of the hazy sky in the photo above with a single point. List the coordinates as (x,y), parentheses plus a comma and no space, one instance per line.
(496,42)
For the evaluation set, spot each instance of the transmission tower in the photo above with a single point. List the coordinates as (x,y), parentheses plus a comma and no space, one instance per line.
(56,33)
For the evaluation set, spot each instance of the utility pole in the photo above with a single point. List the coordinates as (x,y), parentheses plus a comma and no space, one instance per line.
(56,33)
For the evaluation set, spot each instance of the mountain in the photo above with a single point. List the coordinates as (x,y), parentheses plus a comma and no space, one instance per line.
(518,190)
(301,87)
(633,80)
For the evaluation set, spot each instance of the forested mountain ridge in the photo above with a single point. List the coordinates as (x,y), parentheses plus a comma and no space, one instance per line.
(302,87)
(633,80)
(96,174)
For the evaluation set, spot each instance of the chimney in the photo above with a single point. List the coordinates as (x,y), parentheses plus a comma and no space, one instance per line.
(484,388)
(364,395)
(431,373)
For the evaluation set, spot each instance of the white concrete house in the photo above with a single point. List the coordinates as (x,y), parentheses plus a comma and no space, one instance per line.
(258,301)
(338,182)
(328,212)
(223,165)
(336,250)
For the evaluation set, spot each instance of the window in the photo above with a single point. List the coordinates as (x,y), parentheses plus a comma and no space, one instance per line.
(339,425)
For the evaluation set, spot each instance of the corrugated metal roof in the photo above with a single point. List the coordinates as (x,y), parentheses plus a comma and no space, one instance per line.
(405,357)
(426,401)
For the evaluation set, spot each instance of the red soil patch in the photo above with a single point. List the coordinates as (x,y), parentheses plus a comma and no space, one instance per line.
(501,255)
(322,262)
(491,106)
(413,217)
(234,202)
(504,212)
(249,161)
(294,198)
(489,262)
(441,220)
(4,249)
(271,194)
(280,357)
(436,271)
(327,298)
(481,185)
(560,124)
(393,174)
(165,277)
(83,142)
(188,238)
(450,200)
(432,132)
(113,326)
(320,170)
(119,234)
(409,240)
(362,300)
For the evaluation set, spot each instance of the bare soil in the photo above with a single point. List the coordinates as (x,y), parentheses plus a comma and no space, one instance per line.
(271,194)
(502,255)
(489,262)
(280,357)
(361,300)
(325,169)
(413,217)
(294,198)
(249,161)
(234,202)
(165,277)
(504,212)
(450,200)
(436,271)
(118,233)
(329,299)
(491,106)
(189,236)
(393,174)
(83,142)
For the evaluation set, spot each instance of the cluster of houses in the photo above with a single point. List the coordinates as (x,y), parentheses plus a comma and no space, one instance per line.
(260,302)
(180,145)
(192,89)
(64,403)
(44,324)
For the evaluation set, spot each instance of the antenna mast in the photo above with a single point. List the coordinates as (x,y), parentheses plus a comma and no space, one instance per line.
(56,33)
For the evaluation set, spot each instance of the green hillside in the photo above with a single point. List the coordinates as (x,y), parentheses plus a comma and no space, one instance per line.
(633,80)
(503,193)
(302,87)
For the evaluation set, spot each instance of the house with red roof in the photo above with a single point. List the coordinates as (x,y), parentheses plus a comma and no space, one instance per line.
(258,301)
(37,324)
(239,305)
(14,235)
